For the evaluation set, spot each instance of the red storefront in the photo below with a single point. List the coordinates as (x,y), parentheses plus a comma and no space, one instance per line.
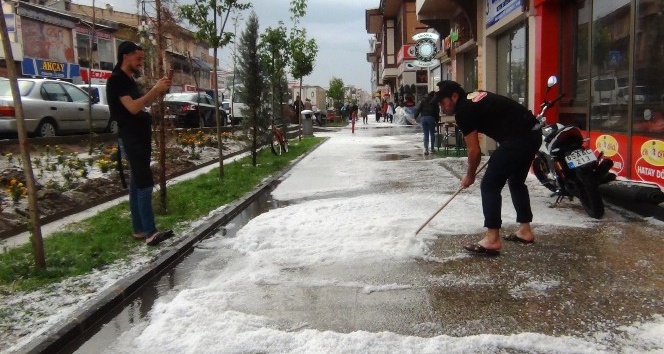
(607,55)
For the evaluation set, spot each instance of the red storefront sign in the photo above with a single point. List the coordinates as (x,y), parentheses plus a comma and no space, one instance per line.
(648,160)
(614,146)
(98,76)
(407,52)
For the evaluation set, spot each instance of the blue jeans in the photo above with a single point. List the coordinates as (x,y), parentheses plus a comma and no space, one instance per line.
(429,130)
(140,204)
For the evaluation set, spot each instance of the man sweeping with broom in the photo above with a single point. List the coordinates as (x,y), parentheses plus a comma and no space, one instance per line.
(511,125)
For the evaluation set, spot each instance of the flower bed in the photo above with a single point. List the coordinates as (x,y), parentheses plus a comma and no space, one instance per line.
(69,176)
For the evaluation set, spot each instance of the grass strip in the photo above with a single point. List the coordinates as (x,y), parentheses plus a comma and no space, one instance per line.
(106,237)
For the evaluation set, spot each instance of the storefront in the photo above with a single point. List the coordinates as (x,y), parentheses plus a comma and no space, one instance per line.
(49,69)
(507,56)
(610,70)
(48,49)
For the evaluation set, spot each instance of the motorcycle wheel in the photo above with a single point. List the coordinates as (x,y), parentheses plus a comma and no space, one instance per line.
(589,193)
(543,172)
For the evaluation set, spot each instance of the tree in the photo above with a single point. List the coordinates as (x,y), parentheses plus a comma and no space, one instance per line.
(250,74)
(274,54)
(198,15)
(303,51)
(35,233)
(336,91)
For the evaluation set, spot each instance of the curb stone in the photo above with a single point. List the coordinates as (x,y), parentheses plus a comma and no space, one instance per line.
(80,321)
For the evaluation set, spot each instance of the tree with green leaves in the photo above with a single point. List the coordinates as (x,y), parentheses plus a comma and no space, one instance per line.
(303,51)
(251,79)
(336,92)
(209,31)
(274,52)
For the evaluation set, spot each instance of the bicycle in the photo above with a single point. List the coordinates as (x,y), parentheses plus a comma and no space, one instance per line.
(279,140)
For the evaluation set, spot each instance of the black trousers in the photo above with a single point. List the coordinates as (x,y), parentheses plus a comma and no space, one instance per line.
(138,152)
(510,164)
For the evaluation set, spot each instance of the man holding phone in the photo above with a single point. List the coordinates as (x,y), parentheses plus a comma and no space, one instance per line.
(127,104)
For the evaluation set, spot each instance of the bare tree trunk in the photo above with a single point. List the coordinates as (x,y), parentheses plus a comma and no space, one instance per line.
(272,84)
(90,66)
(299,114)
(217,114)
(163,201)
(254,149)
(35,232)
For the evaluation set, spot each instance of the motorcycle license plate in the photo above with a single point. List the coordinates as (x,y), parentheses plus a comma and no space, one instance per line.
(580,157)
(169,116)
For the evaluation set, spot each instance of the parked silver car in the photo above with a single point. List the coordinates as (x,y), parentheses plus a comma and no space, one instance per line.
(51,107)
(98,94)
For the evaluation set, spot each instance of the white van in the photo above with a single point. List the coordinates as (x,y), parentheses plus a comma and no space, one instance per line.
(237,107)
(604,90)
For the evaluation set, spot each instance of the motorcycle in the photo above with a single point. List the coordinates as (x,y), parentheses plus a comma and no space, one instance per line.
(566,166)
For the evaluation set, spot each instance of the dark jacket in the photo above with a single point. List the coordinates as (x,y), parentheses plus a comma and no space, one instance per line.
(428,108)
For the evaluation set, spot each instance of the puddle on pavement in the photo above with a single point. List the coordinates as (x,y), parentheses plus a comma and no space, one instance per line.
(135,309)
(393,157)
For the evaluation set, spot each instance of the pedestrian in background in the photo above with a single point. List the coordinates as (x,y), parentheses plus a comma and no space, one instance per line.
(429,112)
(384,111)
(127,104)
(511,125)
(377,109)
(390,112)
(365,113)
(353,111)
(297,105)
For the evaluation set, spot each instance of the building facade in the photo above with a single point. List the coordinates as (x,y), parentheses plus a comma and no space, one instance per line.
(79,44)
(605,53)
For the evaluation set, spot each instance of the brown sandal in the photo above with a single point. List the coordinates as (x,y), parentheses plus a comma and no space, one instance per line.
(479,249)
(515,238)
(158,237)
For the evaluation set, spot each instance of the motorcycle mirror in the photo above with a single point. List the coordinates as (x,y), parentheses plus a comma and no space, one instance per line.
(553,80)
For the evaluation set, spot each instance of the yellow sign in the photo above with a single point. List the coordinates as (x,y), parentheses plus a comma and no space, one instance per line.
(53,66)
(653,152)
(607,144)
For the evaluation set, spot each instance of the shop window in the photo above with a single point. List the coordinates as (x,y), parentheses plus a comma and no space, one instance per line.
(575,63)
(83,49)
(647,93)
(512,68)
(105,54)
(470,70)
(609,66)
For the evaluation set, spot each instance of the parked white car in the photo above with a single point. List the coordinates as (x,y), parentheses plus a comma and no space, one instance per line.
(51,107)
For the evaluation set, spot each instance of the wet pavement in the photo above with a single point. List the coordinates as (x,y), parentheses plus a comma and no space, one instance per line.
(574,280)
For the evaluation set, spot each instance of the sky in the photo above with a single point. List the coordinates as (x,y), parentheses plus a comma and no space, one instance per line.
(337,25)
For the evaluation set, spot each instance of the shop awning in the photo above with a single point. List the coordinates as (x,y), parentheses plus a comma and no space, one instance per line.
(437,9)
(200,64)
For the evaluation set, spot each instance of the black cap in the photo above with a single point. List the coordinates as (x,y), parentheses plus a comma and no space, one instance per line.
(125,47)
(446,88)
